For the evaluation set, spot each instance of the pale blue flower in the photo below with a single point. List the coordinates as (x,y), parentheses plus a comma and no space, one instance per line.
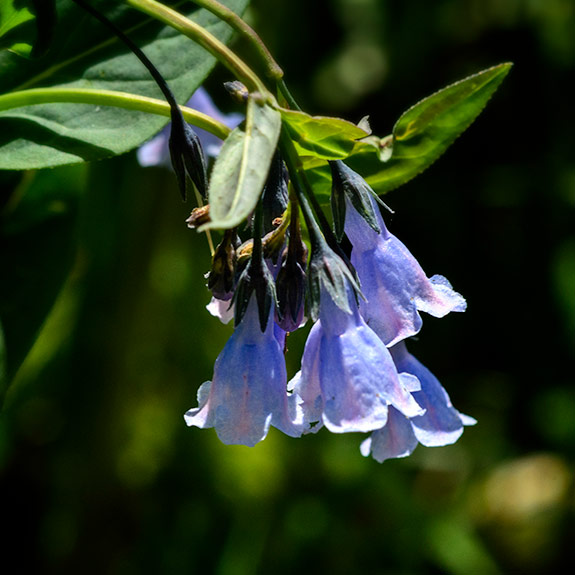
(394,284)
(441,424)
(156,152)
(248,391)
(348,378)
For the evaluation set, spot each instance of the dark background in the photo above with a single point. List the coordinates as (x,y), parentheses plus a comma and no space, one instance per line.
(99,472)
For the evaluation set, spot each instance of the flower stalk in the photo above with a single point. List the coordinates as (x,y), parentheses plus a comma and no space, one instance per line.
(97,97)
(202,37)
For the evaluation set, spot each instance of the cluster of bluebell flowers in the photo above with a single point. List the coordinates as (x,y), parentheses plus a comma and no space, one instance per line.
(364,302)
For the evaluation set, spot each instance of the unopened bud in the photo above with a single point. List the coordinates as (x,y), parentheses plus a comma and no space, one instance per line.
(222,275)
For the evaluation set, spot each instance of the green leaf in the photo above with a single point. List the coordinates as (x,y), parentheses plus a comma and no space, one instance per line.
(37,248)
(321,137)
(242,167)
(26,26)
(85,54)
(422,134)
(17,25)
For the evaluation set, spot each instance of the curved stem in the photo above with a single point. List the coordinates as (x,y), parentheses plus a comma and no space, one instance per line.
(124,100)
(224,13)
(290,100)
(158,78)
(208,41)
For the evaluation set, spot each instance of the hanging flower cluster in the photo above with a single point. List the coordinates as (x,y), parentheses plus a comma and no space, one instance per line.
(356,373)
(271,170)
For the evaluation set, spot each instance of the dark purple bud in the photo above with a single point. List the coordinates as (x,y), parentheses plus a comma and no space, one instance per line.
(290,289)
(275,194)
(187,155)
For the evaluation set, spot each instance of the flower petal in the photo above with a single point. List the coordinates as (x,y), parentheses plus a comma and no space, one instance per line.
(248,390)
(394,284)
(441,424)
(394,440)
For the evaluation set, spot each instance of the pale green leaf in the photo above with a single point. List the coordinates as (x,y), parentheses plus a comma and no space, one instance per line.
(321,137)
(241,169)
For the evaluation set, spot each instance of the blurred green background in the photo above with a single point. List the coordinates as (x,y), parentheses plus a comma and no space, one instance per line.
(100,474)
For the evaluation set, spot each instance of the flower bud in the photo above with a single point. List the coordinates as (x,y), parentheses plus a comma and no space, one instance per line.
(290,286)
(187,155)
(221,276)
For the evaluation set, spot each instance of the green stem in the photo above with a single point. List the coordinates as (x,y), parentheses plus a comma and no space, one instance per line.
(300,186)
(202,37)
(290,100)
(321,233)
(109,98)
(224,13)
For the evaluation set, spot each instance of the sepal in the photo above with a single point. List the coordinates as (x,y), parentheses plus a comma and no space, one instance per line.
(349,184)
(257,278)
(329,271)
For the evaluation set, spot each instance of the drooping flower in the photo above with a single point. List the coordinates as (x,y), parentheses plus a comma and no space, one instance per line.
(248,391)
(348,379)
(156,151)
(223,310)
(441,424)
(394,284)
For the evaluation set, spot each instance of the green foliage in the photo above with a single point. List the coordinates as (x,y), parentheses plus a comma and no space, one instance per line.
(426,130)
(37,248)
(26,26)
(37,225)
(420,136)
(242,167)
(85,54)
(321,137)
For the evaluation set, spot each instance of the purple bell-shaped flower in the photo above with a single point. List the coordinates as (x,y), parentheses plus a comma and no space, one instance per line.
(441,424)
(248,391)
(348,379)
(394,284)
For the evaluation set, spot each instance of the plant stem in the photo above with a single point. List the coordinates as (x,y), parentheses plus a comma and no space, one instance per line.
(290,100)
(109,98)
(224,13)
(297,177)
(158,78)
(321,234)
(202,37)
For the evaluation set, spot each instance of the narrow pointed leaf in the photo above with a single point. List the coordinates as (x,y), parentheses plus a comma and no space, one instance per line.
(242,167)
(420,136)
(427,129)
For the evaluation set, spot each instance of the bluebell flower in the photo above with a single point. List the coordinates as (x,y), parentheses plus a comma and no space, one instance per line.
(441,424)
(248,391)
(394,284)
(348,379)
(156,152)
(223,310)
